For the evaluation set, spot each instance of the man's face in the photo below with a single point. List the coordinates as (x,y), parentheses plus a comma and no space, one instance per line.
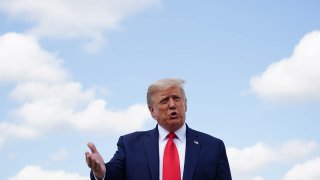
(169,108)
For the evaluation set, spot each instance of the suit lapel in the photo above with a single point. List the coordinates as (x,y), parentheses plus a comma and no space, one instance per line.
(192,151)
(151,144)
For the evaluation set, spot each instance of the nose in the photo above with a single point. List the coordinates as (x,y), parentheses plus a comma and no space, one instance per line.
(172,104)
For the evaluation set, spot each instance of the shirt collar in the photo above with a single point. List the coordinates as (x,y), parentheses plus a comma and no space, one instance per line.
(180,133)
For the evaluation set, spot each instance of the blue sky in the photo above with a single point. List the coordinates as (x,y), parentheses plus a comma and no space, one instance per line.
(76,71)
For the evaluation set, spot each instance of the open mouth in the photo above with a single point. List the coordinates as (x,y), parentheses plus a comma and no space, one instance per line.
(173,115)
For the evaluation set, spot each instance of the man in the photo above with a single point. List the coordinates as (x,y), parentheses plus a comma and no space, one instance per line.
(171,151)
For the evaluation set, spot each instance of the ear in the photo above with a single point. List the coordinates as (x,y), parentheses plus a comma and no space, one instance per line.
(152,112)
(185,106)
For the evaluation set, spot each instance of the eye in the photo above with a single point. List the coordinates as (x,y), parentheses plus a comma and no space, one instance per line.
(164,100)
(177,98)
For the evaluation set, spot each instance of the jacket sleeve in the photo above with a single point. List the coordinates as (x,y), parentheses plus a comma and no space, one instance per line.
(223,171)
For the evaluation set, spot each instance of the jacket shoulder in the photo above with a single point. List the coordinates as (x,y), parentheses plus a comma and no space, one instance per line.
(138,135)
(204,136)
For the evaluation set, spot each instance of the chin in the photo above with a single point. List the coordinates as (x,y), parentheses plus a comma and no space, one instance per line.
(175,125)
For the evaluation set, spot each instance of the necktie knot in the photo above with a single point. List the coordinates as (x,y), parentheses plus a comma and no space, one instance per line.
(171,136)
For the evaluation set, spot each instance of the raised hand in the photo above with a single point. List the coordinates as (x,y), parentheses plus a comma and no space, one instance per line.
(95,161)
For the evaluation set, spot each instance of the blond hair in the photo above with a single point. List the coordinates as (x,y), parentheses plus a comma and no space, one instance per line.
(164,84)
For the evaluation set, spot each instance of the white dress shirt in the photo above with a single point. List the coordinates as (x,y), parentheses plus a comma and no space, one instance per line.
(180,143)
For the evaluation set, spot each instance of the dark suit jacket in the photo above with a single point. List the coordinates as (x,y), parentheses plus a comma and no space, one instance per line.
(137,157)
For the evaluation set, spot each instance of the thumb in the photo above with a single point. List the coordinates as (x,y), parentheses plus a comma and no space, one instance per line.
(92,147)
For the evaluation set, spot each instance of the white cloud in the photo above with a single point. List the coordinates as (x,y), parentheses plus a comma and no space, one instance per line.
(258,178)
(295,150)
(308,170)
(47,106)
(98,118)
(35,91)
(74,19)
(49,101)
(293,79)
(11,130)
(246,177)
(261,155)
(60,155)
(37,173)
(22,59)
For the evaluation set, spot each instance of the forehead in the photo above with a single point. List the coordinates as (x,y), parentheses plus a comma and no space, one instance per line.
(169,91)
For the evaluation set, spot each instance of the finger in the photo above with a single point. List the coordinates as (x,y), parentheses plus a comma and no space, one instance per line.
(86,154)
(92,147)
(89,160)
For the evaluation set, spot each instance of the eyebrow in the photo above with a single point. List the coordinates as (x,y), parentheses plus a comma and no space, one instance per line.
(166,97)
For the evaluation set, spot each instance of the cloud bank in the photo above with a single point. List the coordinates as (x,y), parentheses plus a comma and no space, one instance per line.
(250,160)
(294,79)
(81,19)
(308,170)
(37,173)
(49,100)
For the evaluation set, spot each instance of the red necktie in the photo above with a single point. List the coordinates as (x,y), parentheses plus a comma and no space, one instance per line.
(171,163)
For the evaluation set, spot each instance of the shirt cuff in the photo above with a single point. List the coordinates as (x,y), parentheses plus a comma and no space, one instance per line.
(95,177)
